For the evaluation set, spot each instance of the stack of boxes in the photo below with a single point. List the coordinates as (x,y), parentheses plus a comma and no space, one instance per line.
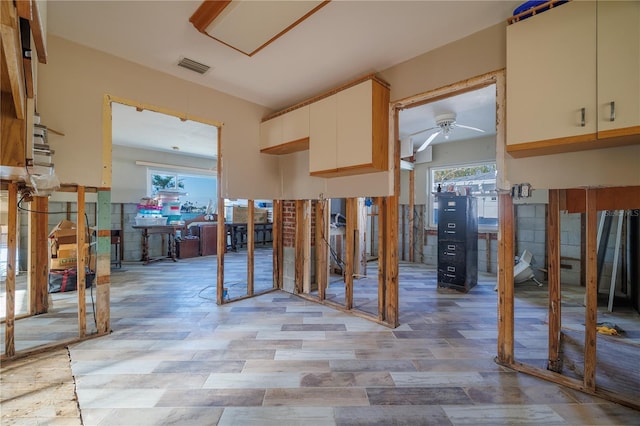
(150,213)
(63,258)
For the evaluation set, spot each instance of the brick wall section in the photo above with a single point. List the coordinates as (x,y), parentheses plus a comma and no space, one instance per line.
(288,223)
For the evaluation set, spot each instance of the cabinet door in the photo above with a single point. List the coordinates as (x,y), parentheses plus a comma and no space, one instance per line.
(618,67)
(322,135)
(295,124)
(271,132)
(551,74)
(354,126)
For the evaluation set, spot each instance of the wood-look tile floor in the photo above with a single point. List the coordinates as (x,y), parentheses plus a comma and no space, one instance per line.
(175,357)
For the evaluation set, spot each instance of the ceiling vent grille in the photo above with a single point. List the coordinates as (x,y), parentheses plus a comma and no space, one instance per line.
(192,65)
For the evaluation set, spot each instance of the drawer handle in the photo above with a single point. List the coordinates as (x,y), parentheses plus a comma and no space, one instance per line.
(451,247)
(583,117)
(451,225)
(450,232)
(449,254)
(449,275)
(612,117)
(451,268)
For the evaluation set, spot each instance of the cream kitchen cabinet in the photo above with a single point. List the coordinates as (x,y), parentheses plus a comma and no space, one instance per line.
(565,67)
(348,131)
(286,133)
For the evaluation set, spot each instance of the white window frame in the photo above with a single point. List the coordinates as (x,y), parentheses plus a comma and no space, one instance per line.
(431,193)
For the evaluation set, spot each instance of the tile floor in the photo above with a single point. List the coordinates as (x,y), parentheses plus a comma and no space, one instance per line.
(175,357)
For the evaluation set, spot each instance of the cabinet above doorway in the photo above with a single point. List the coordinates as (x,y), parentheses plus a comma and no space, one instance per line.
(346,130)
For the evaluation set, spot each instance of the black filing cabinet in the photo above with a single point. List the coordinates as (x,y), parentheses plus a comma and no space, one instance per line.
(457,242)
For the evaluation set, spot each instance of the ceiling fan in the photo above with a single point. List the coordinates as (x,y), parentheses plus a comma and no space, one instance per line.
(445,123)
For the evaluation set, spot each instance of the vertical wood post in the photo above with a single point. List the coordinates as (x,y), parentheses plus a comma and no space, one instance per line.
(222,229)
(103,269)
(10,283)
(298,244)
(81,239)
(591,312)
(350,251)
(380,203)
(276,237)
(555,298)
(322,249)
(505,278)
(38,256)
(306,246)
(412,196)
(250,245)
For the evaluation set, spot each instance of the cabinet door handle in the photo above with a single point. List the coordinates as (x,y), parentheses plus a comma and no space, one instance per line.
(612,105)
(583,117)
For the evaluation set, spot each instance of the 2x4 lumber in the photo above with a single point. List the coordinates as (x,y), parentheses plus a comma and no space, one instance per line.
(350,250)
(81,236)
(306,246)
(505,279)
(298,244)
(103,269)
(591,312)
(276,236)
(250,245)
(10,282)
(38,259)
(322,250)
(555,297)
(412,191)
(381,205)
(12,50)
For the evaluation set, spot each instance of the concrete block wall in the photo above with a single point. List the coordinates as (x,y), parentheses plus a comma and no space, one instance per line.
(530,234)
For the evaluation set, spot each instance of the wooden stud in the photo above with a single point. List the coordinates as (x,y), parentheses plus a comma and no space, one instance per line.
(505,279)
(591,313)
(10,282)
(81,234)
(103,269)
(555,297)
(350,254)
(412,196)
(39,256)
(322,249)
(222,229)
(11,46)
(306,246)
(298,244)
(250,245)
(380,203)
(276,236)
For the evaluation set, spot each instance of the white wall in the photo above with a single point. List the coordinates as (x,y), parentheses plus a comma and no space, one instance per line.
(129,182)
(72,86)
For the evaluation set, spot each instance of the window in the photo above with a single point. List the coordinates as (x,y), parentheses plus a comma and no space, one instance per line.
(200,190)
(478,180)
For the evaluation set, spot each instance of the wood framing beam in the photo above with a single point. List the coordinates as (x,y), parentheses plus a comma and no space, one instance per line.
(412,196)
(306,247)
(103,269)
(351,257)
(381,205)
(12,51)
(506,255)
(81,239)
(276,235)
(613,198)
(591,312)
(38,256)
(555,297)
(322,248)
(10,283)
(298,244)
(250,245)
(222,229)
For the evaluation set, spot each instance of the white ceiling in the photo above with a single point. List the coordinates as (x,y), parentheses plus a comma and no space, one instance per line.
(341,41)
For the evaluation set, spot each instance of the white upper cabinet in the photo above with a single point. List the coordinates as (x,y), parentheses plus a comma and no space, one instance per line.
(551,74)
(322,134)
(349,131)
(565,67)
(618,67)
(286,133)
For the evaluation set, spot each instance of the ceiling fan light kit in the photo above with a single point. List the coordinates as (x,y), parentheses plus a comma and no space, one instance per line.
(445,124)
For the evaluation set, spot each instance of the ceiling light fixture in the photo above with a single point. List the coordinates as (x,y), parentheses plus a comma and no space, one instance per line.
(249,26)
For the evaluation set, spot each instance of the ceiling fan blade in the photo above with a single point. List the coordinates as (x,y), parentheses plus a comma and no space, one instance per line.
(428,141)
(422,131)
(469,127)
